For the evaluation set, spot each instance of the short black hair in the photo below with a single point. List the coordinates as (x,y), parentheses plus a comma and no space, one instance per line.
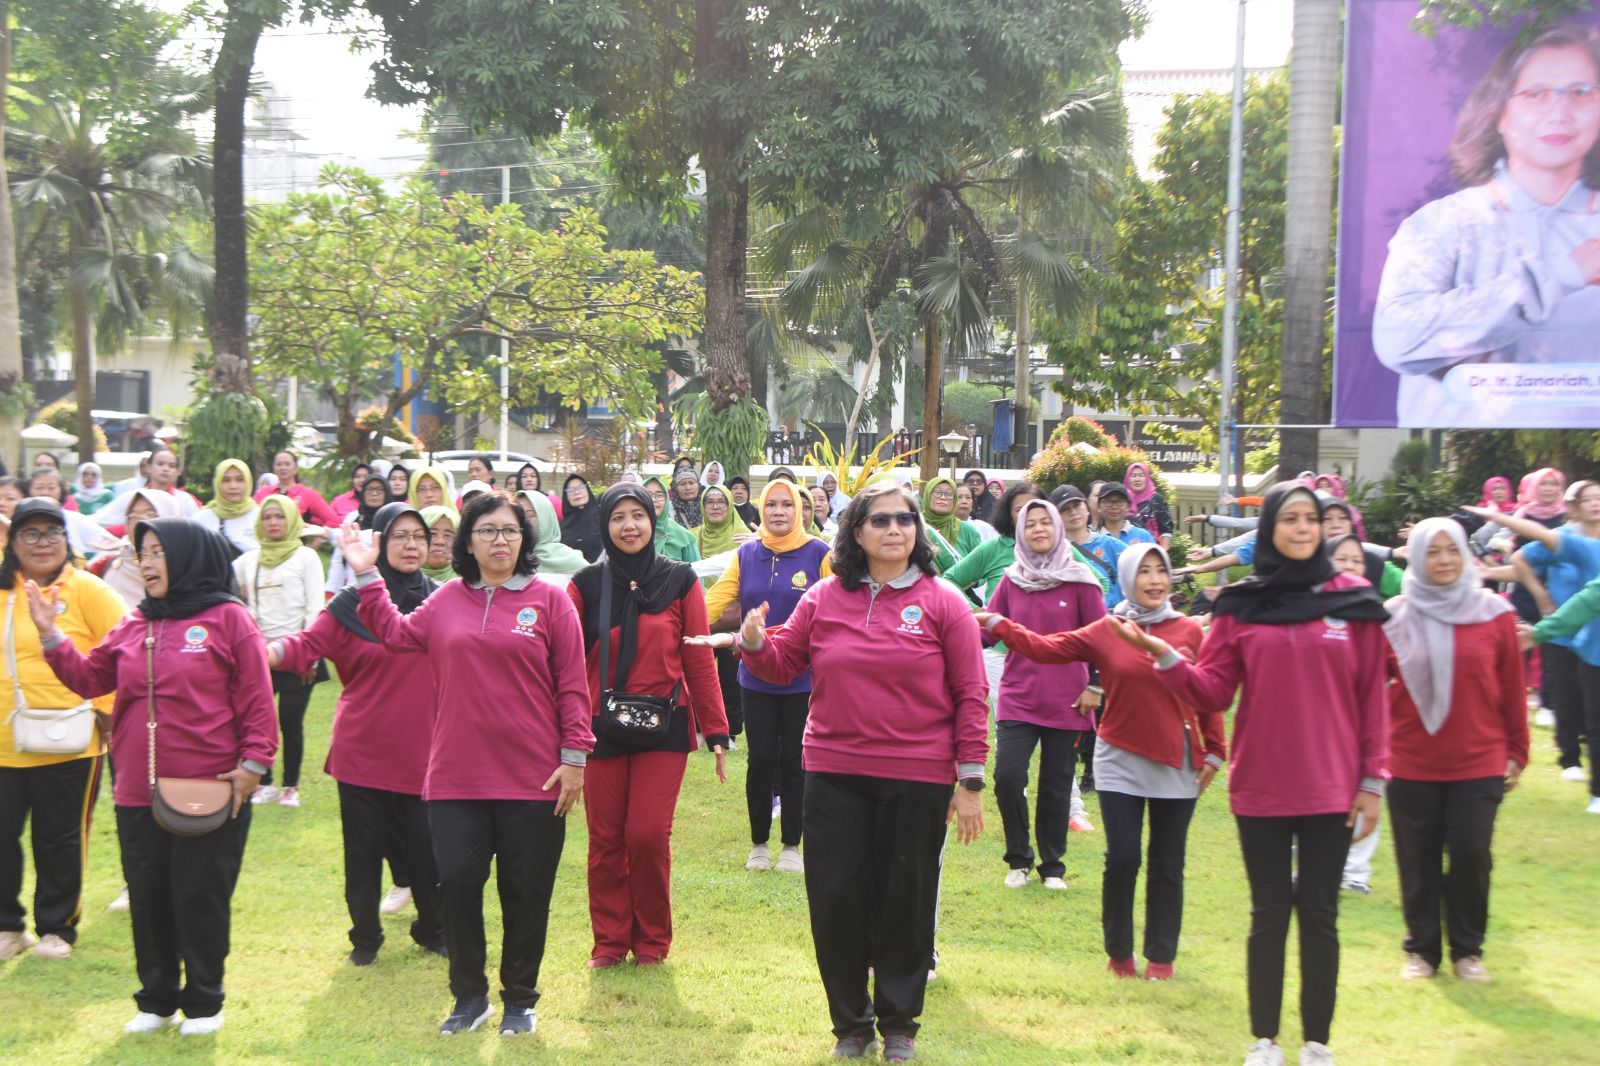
(849,558)
(1002,521)
(461,557)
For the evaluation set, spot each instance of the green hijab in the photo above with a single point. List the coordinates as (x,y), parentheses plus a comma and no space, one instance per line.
(948,524)
(672,540)
(554,556)
(431,517)
(274,553)
(716,539)
(221,507)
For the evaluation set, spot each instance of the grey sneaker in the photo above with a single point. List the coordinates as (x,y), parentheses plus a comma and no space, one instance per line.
(1315,1054)
(467,1015)
(15,942)
(518,1021)
(789,861)
(855,1047)
(1263,1052)
(1471,969)
(1416,968)
(898,1047)
(760,858)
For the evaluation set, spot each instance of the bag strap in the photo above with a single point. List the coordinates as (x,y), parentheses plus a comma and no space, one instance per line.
(150,693)
(11,655)
(604,640)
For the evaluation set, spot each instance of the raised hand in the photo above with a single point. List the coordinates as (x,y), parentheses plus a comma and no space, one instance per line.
(42,608)
(358,554)
(754,630)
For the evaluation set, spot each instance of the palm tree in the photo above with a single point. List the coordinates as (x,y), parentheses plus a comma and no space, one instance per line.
(954,242)
(11,384)
(1313,109)
(112,209)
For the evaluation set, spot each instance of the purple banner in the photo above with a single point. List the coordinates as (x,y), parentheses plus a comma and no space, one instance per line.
(1468,282)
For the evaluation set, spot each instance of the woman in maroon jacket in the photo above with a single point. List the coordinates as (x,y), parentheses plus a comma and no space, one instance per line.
(214,718)
(1457,744)
(1156,752)
(381,730)
(632,791)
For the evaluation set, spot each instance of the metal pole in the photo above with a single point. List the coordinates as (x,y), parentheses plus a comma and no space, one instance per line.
(505,348)
(1230,312)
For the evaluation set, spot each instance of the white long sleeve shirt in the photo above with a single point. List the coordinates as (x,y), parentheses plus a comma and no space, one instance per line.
(241,531)
(284,600)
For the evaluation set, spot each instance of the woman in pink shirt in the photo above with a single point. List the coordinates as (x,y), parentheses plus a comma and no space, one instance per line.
(899,712)
(1303,646)
(212,701)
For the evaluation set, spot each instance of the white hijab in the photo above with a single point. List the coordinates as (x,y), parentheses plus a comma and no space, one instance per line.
(1423,619)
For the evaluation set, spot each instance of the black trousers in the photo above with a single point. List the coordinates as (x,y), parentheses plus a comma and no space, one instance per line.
(180,897)
(775,728)
(369,816)
(59,800)
(1122,818)
(1562,692)
(1269,846)
(1589,686)
(1058,761)
(294,696)
(728,681)
(872,882)
(525,837)
(1428,819)
(394,851)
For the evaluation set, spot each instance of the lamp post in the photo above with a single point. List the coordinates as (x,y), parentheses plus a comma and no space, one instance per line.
(950,445)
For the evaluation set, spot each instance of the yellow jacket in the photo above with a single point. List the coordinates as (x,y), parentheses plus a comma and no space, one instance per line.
(89,609)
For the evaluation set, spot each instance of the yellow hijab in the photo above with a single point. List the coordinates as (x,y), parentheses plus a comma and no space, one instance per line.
(797,534)
(275,553)
(440,478)
(221,507)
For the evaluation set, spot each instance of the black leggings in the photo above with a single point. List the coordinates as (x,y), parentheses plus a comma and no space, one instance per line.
(775,727)
(1122,816)
(294,696)
(1312,892)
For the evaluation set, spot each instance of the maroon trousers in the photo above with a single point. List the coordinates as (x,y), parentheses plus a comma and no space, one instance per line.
(630,800)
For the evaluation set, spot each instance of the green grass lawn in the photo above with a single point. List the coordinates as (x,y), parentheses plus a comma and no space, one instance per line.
(1022,978)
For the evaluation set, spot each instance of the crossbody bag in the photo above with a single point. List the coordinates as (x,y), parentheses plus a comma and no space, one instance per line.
(183,806)
(42,730)
(630,719)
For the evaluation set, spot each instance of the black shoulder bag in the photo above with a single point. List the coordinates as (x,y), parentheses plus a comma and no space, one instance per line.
(632,720)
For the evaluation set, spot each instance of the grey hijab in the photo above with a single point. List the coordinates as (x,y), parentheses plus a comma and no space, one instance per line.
(1127,578)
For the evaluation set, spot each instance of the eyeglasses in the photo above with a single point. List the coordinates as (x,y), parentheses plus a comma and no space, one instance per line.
(942,494)
(34,537)
(490,534)
(151,553)
(1540,100)
(883,520)
(408,539)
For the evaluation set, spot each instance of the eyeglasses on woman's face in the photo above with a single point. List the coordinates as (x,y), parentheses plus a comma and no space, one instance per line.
(490,534)
(35,537)
(885,519)
(156,552)
(417,538)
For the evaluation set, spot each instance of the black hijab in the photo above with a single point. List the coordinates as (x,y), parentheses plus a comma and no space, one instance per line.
(644,583)
(365,514)
(983,504)
(580,526)
(1285,591)
(199,568)
(538,480)
(747,510)
(407,591)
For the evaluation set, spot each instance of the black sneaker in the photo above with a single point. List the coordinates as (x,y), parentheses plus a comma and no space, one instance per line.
(518,1021)
(854,1047)
(467,1016)
(363,956)
(898,1047)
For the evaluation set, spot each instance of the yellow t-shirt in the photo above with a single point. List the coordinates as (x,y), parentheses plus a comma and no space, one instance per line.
(89,609)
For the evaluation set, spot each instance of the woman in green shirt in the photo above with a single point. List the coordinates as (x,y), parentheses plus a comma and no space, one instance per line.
(956,539)
(672,540)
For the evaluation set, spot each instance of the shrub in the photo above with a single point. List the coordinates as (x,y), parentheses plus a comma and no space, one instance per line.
(1061,464)
(1081,430)
(63,416)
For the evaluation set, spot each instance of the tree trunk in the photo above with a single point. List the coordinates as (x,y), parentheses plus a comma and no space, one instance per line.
(1313,108)
(935,241)
(1021,401)
(11,380)
(82,366)
(854,421)
(720,62)
(230,335)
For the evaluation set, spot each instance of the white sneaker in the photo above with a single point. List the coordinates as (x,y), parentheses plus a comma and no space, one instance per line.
(1416,968)
(1056,883)
(1574,773)
(760,858)
(1470,969)
(14,943)
(1315,1054)
(201,1026)
(265,794)
(144,1022)
(52,947)
(1017,879)
(121,902)
(397,900)
(1544,718)
(1263,1053)
(789,861)
(1594,805)
(289,797)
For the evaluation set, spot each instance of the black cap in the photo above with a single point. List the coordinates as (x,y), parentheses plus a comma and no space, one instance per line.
(1062,493)
(33,507)
(1114,488)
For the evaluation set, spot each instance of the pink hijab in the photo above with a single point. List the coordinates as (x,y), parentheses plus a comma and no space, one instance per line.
(1033,572)
(1149,490)
(1336,485)
(1528,496)
(1488,494)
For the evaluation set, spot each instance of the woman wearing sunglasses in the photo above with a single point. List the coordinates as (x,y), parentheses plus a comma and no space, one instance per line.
(883,752)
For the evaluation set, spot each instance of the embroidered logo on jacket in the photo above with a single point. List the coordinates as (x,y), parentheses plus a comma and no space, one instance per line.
(194,639)
(911,620)
(1336,629)
(799,579)
(527,618)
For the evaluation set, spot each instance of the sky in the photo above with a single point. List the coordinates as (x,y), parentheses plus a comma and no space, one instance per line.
(325,84)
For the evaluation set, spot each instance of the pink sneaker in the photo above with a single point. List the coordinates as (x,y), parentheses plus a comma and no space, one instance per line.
(1123,967)
(1158,971)
(1080,824)
(289,797)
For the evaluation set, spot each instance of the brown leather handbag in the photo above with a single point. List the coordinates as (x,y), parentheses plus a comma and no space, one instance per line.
(183,806)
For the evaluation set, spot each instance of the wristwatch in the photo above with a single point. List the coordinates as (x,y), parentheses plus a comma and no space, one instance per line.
(972,784)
